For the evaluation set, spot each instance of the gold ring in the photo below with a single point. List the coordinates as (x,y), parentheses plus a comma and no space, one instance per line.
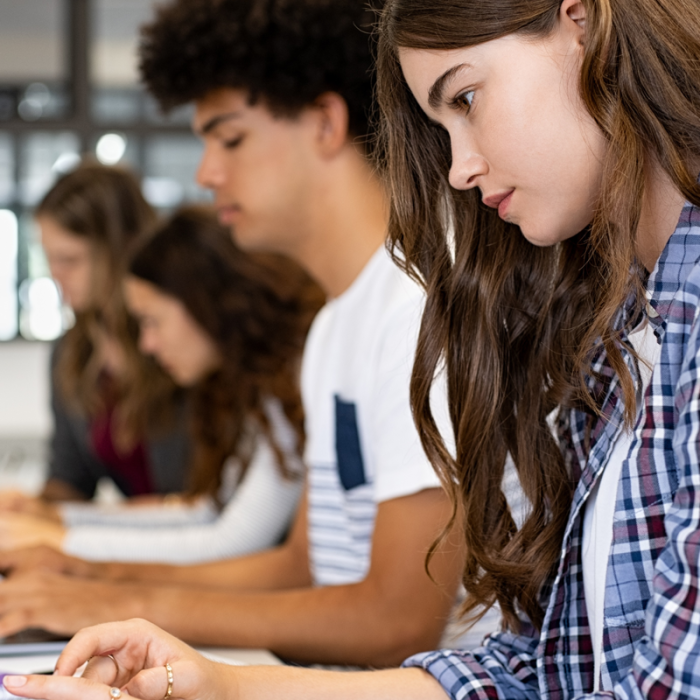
(116,668)
(115,693)
(169,691)
(114,661)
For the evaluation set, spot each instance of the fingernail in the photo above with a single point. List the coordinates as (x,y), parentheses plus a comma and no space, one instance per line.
(14,681)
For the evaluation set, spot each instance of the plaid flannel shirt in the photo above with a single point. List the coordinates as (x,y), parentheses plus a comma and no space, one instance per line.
(651,638)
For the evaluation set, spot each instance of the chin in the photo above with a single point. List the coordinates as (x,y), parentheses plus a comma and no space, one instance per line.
(255,240)
(544,237)
(242,238)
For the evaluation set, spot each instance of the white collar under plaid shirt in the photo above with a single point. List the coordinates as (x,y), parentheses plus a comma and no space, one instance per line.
(651,638)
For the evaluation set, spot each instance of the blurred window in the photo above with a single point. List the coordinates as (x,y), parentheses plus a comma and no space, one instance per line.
(55,110)
(169,170)
(9,237)
(32,41)
(43,156)
(7,170)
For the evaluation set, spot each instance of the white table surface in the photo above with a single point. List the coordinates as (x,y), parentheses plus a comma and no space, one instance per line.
(36,663)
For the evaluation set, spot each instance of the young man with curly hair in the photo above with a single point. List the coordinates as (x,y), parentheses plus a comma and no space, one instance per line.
(283,97)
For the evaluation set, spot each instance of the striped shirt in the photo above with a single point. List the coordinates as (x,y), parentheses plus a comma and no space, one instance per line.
(362,447)
(651,625)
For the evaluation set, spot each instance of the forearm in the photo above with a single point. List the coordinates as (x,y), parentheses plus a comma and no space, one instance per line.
(353,624)
(132,516)
(56,490)
(278,568)
(264,683)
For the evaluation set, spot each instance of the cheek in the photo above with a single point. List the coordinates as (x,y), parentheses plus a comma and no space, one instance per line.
(77,284)
(203,355)
(278,164)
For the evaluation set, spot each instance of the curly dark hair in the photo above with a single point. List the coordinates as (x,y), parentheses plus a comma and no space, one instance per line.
(283,52)
(257,309)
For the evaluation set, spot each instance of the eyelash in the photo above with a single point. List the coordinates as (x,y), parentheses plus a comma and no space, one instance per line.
(462,101)
(233,143)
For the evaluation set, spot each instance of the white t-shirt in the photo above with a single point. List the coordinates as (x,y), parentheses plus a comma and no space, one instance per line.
(362,447)
(257,511)
(600,509)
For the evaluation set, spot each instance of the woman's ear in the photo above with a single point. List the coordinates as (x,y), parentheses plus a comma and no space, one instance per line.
(574,11)
(333,122)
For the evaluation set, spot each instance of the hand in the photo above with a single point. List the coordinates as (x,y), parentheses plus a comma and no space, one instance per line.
(48,560)
(62,604)
(14,501)
(20,530)
(140,652)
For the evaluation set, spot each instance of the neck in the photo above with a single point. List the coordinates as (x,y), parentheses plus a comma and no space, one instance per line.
(661,209)
(345,222)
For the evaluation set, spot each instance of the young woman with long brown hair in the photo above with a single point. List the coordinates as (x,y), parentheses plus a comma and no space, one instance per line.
(116,414)
(229,328)
(543,158)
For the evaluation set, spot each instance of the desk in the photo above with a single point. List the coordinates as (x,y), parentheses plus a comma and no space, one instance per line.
(241,657)
(33,663)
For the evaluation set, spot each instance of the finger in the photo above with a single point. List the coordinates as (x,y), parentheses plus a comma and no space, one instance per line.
(103,669)
(58,688)
(192,677)
(129,639)
(151,684)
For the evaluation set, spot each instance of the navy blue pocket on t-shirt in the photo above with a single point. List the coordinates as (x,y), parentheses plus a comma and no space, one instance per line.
(351,468)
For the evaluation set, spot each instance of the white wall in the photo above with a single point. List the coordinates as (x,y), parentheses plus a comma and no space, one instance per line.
(24,390)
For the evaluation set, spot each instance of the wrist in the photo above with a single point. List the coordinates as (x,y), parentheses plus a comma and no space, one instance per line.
(226,685)
(106,570)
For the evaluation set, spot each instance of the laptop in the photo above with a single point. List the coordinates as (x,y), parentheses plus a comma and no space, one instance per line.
(32,641)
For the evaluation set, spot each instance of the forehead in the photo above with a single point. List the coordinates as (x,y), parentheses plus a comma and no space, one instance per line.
(224,102)
(54,234)
(144,295)
(428,69)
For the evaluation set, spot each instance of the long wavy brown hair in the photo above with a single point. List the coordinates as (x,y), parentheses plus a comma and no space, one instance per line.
(516,326)
(104,206)
(257,309)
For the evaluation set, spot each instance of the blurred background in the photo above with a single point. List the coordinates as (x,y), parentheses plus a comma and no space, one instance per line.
(68,86)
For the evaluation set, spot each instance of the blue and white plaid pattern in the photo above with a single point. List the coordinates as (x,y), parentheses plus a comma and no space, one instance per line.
(651,640)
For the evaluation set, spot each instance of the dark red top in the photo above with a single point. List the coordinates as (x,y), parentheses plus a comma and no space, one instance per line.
(129,470)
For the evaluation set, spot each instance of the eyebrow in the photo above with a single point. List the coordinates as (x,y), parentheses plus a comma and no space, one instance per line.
(435,94)
(215,121)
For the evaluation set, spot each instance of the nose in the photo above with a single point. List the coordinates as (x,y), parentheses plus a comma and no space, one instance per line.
(468,165)
(210,174)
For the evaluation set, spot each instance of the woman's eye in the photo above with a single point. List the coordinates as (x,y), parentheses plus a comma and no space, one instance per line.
(233,143)
(464,100)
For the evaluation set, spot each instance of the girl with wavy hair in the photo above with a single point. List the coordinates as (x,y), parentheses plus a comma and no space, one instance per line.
(543,157)
(116,414)
(228,327)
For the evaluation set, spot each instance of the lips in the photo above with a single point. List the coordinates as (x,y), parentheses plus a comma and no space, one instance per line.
(499,201)
(227,214)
